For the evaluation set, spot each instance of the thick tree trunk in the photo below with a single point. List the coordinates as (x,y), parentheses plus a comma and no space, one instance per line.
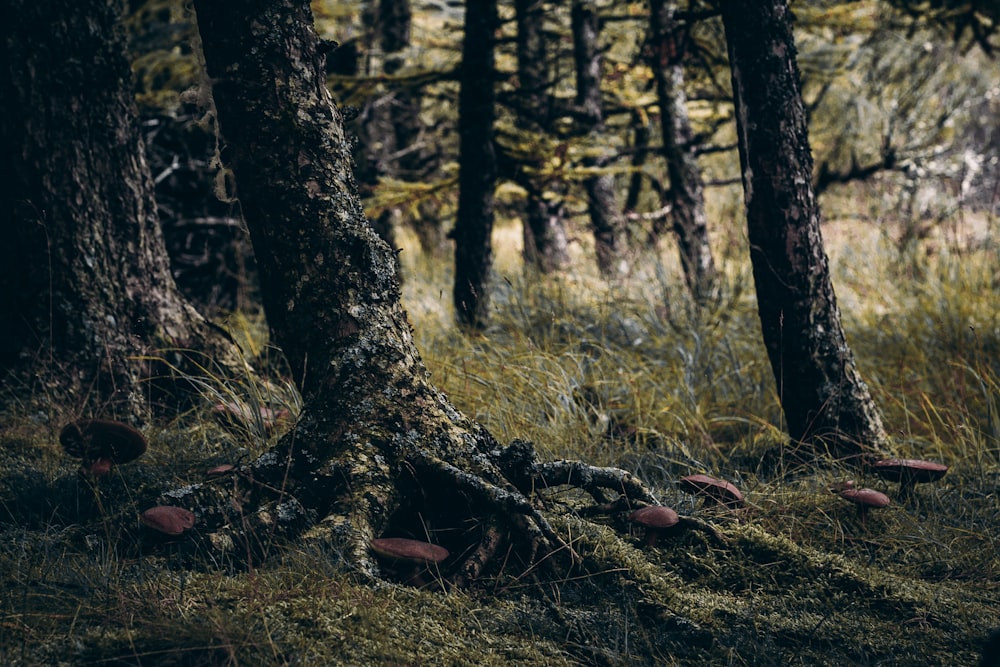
(545,242)
(85,285)
(477,167)
(377,450)
(824,399)
(686,194)
(606,218)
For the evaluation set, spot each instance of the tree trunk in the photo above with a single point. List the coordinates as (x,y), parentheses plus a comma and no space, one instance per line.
(826,403)
(377,450)
(686,194)
(85,285)
(545,242)
(386,112)
(606,218)
(477,167)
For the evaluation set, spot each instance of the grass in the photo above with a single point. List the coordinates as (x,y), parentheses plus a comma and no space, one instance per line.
(626,374)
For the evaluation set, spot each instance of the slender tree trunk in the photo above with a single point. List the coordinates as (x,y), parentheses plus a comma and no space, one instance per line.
(377,450)
(477,167)
(545,242)
(391,121)
(85,285)
(826,403)
(686,194)
(640,145)
(606,218)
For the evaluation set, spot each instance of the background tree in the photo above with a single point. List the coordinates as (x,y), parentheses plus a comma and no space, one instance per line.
(686,193)
(606,218)
(85,284)
(823,397)
(544,226)
(477,167)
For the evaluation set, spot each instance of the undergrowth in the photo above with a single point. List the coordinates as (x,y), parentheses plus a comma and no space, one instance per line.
(627,374)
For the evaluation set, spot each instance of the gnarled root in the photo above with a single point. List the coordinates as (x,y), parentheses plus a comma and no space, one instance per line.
(480,504)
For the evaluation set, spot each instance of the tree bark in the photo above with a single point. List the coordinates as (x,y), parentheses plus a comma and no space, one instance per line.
(477,167)
(606,218)
(85,285)
(377,450)
(825,401)
(686,194)
(545,242)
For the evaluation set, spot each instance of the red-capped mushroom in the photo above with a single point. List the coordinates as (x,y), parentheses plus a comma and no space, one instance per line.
(168,520)
(221,470)
(414,556)
(865,499)
(101,443)
(656,519)
(909,472)
(717,491)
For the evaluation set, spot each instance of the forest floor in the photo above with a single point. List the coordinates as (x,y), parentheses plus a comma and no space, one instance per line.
(627,375)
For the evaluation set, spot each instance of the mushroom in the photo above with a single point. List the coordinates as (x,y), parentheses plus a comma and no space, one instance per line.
(865,499)
(656,519)
(101,443)
(221,470)
(412,555)
(716,491)
(909,473)
(168,520)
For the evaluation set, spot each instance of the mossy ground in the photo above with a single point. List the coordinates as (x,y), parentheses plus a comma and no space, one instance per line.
(627,375)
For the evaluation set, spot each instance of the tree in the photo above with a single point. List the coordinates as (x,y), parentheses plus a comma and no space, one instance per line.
(825,401)
(606,218)
(85,286)
(477,167)
(686,196)
(545,243)
(377,449)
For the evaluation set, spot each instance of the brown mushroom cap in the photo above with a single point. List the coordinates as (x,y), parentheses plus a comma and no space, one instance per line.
(94,439)
(720,491)
(404,549)
(655,516)
(865,498)
(909,471)
(167,519)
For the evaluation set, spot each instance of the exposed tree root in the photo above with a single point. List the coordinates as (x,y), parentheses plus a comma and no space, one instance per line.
(482,504)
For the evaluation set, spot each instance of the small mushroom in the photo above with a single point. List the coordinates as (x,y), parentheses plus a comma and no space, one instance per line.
(656,519)
(101,443)
(168,520)
(909,472)
(221,470)
(716,491)
(412,557)
(865,499)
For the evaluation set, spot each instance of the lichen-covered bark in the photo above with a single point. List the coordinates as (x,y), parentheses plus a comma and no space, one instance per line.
(85,286)
(824,399)
(686,194)
(477,167)
(606,218)
(377,449)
